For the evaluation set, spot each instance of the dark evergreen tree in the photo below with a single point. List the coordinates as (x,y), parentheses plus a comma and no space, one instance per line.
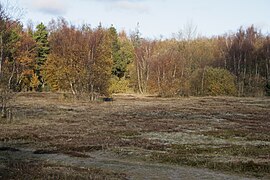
(43,48)
(120,53)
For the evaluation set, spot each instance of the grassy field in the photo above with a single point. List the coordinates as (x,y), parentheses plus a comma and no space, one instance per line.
(56,137)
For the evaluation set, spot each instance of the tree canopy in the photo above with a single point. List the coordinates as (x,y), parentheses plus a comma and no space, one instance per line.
(101,61)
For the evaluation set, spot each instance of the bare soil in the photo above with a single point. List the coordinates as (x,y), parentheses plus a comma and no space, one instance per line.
(135,137)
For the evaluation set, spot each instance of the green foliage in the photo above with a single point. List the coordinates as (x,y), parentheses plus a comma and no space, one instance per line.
(213,82)
(219,82)
(122,58)
(12,39)
(119,85)
(122,52)
(41,38)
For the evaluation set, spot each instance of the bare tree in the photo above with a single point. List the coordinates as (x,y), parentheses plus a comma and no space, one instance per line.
(189,32)
(144,54)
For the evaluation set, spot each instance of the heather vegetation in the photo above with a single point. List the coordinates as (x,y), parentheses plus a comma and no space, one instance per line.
(135,137)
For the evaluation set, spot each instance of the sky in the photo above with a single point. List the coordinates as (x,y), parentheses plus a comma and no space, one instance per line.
(156,18)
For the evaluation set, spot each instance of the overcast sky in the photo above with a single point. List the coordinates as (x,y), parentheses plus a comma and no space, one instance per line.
(156,17)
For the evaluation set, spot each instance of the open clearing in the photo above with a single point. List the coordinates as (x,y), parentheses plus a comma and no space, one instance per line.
(136,137)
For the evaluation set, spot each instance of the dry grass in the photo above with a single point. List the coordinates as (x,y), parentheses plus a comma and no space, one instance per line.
(43,170)
(220,133)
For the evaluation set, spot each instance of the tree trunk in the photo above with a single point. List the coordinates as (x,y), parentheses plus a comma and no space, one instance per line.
(225,61)
(1,53)
(92,92)
(244,73)
(142,80)
(234,65)
(4,106)
(139,77)
(174,72)
(267,69)
(203,75)
(239,79)
(12,75)
(158,78)
(72,88)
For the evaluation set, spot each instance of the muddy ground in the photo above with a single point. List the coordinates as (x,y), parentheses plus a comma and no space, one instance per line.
(51,136)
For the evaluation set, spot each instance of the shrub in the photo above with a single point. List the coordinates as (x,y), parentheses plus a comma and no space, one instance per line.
(213,82)
(119,85)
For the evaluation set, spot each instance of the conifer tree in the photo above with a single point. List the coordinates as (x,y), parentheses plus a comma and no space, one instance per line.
(41,38)
(121,52)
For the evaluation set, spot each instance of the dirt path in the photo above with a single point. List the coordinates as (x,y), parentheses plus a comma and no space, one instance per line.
(109,162)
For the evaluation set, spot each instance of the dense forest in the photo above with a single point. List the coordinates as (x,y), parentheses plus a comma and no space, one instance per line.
(101,61)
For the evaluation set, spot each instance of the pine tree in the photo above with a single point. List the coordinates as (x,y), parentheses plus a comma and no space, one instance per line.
(41,38)
(121,53)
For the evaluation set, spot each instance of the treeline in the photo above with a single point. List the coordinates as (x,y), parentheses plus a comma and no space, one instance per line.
(232,64)
(102,61)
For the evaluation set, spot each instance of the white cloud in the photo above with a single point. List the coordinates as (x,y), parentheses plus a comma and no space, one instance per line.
(129,5)
(55,7)
(121,0)
(125,5)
